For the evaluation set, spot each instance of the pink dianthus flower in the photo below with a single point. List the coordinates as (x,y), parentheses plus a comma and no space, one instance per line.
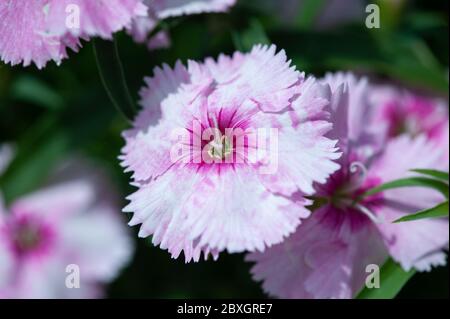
(328,254)
(399,111)
(221,194)
(70,227)
(42,30)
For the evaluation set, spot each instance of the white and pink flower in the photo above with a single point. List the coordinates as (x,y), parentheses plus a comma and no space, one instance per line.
(227,201)
(399,111)
(38,31)
(327,256)
(75,221)
(43,30)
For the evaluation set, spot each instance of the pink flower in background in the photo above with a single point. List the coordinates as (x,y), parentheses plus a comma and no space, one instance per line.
(213,205)
(74,221)
(327,256)
(351,121)
(163,9)
(42,30)
(399,111)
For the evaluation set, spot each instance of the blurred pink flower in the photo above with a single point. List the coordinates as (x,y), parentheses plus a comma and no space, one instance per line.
(327,256)
(214,204)
(402,112)
(75,221)
(37,31)
(162,9)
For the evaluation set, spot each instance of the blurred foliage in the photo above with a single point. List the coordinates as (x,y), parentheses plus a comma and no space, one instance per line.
(54,113)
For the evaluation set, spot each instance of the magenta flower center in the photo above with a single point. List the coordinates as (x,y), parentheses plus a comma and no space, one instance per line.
(220,147)
(29,236)
(345,191)
(219,139)
(419,115)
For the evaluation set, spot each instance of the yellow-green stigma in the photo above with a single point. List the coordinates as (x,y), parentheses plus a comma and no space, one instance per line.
(220,148)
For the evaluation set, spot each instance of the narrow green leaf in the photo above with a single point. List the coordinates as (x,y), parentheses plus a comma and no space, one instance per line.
(440,210)
(166,25)
(392,280)
(433,173)
(411,182)
(113,76)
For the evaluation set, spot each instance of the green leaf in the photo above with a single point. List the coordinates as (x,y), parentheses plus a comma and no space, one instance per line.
(411,182)
(433,173)
(390,13)
(254,34)
(166,25)
(440,210)
(23,175)
(392,280)
(421,21)
(113,76)
(309,10)
(395,55)
(54,137)
(30,89)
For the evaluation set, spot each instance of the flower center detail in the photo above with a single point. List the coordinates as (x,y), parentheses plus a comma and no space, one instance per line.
(348,188)
(220,147)
(29,236)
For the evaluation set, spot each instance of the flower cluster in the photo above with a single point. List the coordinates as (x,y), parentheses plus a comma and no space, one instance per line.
(328,255)
(243,154)
(336,139)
